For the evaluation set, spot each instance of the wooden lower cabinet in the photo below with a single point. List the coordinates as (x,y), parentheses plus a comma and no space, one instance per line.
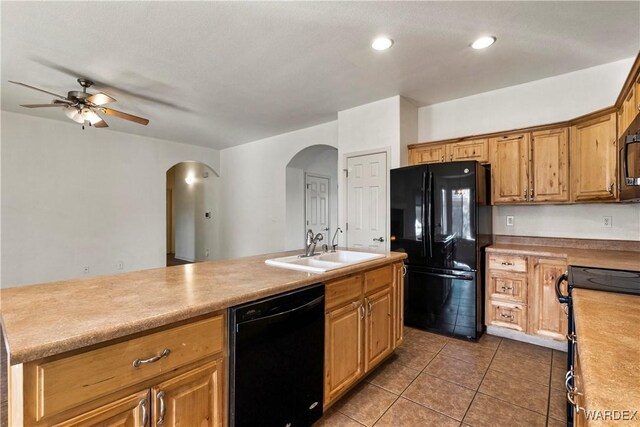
(344,333)
(378,327)
(190,399)
(362,332)
(546,315)
(130,411)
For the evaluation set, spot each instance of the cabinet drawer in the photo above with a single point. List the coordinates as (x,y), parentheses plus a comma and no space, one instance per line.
(376,279)
(59,384)
(342,291)
(513,316)
(508,262)
(508,286)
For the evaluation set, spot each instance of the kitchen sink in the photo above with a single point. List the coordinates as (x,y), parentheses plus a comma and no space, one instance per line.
(323,262)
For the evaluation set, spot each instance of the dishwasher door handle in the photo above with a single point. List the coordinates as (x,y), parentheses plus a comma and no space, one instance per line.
(284,315)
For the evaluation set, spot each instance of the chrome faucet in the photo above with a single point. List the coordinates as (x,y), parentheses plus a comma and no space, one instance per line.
(311,243)
(334,245)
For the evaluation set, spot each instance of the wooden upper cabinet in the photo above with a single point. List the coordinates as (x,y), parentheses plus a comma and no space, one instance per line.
(509,157)
(191,399)
(546,316)
(477,149)
(594,159)
(430,153)
(550,166)
(629,109)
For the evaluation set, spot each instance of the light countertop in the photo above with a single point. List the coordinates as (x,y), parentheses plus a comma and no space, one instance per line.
(52,318)
(608,336)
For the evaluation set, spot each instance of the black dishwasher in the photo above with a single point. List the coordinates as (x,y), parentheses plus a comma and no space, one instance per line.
(276,355)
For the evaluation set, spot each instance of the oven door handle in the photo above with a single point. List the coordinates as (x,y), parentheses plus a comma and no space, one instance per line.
(563,299)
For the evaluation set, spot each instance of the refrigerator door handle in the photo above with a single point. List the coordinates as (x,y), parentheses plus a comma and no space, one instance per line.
(429,201)
(423,210)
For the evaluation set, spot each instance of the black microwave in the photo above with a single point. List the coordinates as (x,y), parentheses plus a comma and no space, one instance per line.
(631,160)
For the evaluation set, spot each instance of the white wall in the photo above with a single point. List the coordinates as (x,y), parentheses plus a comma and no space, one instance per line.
(539,102)
(321,160)
(194,233)
(74,198)
(253,198)
(544,101)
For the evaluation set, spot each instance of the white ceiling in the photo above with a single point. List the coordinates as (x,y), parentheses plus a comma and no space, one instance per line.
(222,74)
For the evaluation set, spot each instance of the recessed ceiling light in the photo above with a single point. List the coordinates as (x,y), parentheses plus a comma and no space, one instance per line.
(382,43)
(483,42)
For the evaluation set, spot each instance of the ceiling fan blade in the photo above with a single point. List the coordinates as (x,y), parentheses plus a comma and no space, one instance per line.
(100,124)
(100,98)
(35,88)
(43,105)
(125,116)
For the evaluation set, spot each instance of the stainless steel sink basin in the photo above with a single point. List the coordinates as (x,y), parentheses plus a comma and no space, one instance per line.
(323,262)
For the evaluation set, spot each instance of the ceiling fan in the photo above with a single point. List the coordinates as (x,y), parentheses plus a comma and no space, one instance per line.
(81,106)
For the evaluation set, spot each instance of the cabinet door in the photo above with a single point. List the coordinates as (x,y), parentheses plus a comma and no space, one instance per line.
(398,304)
(477,149)
(130,411)
(546,316)
(550,165)
(191,399)
(378,342)
(343,348)
(510,168)
(431,153)
(628,111)
(594,159)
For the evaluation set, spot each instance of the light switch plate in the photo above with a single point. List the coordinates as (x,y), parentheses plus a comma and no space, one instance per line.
(510,220)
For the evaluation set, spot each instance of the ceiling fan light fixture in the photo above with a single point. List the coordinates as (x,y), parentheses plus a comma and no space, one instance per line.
(90,116)
(72,113)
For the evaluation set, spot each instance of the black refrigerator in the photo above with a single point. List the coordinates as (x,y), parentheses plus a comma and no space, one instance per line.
(441,217)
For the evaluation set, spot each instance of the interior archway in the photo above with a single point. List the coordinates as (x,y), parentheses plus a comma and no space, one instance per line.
(315,166)
(190,223)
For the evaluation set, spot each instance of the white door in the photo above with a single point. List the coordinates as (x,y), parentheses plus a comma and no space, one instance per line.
(317,206)
(367,201)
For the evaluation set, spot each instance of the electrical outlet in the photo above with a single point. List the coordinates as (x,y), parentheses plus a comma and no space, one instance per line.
(606,221)
(120,265)
(206,253)
(510,220)
(86,269)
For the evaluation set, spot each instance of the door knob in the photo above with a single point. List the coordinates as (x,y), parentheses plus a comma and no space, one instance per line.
(379,239)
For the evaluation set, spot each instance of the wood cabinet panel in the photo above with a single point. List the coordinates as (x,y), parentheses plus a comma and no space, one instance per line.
(505,262)
(378,278)
(507,286)
(430,153)
(550,166)
(509,156)
(546,315)
(507,315)
(57,384)
(344,335)
(398,303)
(130,411)
(342,291)
(378,327)
(476,149)
(593,160)
(191,399)
(628,110)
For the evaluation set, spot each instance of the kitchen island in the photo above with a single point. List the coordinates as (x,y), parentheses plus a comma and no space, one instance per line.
(60,331)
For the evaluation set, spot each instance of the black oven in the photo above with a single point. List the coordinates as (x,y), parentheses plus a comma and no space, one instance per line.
(597,279)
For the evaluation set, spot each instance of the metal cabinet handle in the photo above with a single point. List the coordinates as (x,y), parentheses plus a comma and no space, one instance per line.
(145,416)
(568,377)
(404,270)
(379,239)
(451,157)
(506,263)
(572,337)
(369,307)
(138,362)
(570,397)
(505,288)
(531,193)
(163,408)
(442,158)
(361,311)
(507,316)
(610,188)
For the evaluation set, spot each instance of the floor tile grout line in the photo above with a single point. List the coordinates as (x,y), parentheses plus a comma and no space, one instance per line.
(485,374)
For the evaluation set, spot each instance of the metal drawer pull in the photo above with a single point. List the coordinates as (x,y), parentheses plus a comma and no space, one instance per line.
(568,377)
(163,408)
(145,416)
(572,337)
(138,362)
(369,306)
(404,270)
(570,398)
(505,288)
(507,263)
(506,316)
(361,311)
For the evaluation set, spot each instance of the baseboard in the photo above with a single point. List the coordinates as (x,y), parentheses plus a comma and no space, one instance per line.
(184,258)
(520,336)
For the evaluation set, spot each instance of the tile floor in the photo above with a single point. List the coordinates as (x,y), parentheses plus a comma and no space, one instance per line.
(438,381)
